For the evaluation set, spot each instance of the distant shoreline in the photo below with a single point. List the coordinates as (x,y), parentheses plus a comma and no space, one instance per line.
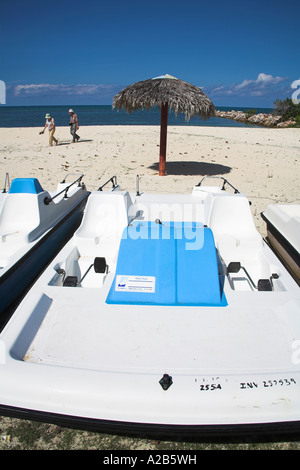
(261,119)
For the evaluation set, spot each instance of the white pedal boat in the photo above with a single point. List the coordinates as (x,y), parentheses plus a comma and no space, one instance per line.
(34,224)
(165,314)
(283,228)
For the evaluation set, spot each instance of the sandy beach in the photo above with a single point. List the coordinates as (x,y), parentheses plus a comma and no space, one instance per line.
(262,163)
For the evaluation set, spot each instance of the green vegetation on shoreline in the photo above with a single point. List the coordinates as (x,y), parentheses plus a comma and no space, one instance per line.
(288,110)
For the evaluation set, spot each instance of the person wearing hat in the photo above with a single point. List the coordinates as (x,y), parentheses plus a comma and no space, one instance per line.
(51,127)
(74,125)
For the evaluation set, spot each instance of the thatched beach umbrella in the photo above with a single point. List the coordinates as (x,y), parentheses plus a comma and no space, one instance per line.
(163,92)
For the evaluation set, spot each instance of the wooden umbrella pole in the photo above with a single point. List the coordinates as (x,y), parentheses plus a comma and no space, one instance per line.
(163,139)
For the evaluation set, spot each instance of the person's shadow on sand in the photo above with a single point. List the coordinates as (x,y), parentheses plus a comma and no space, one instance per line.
(193,168)
(70,142)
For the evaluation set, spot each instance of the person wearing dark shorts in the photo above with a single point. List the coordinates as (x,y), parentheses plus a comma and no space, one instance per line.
(74,125)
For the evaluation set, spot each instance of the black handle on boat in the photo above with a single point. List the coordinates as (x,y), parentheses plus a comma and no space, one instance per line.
(47,199)
(225,181)
(113,179)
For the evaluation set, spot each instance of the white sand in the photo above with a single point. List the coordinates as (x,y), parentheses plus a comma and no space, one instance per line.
(262,163)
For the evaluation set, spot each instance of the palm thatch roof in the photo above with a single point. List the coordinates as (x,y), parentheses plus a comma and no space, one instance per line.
(181,97)
(165,92)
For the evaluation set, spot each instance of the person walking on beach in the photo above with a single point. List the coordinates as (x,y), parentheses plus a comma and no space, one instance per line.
(51,127)
(74,125)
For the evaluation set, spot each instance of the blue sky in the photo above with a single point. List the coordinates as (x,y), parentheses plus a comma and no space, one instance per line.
(84,52)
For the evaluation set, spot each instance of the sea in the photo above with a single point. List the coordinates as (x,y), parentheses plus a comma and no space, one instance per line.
(104,115)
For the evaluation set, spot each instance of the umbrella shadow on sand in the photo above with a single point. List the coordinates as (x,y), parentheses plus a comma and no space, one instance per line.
(193,168)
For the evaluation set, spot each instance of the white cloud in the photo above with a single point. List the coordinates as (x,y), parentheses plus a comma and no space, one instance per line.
(43,89)
(264,78)
(264,84)
(243,84)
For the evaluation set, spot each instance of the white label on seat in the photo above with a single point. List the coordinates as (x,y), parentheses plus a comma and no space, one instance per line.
(145,284)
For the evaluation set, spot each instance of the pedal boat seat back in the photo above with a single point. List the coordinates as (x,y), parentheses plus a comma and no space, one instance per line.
(167,264)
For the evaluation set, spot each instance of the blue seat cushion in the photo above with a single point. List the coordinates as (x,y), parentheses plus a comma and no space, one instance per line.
(167,264)
(25,185)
